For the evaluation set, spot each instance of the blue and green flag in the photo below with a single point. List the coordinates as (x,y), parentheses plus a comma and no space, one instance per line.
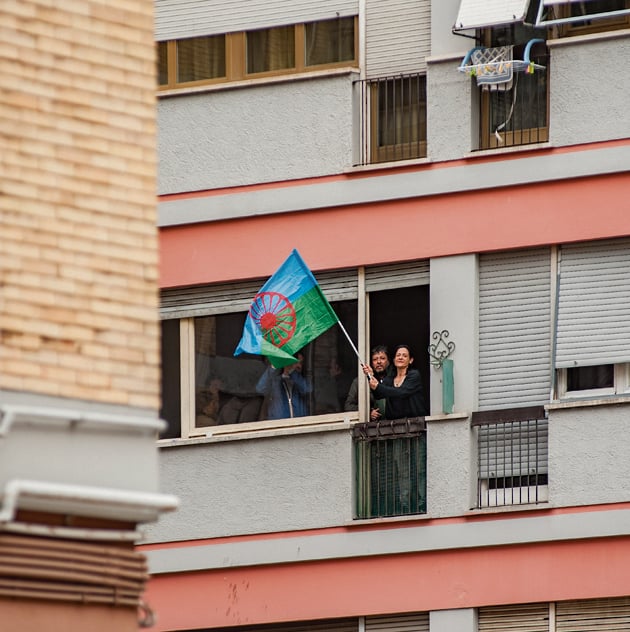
(288,312)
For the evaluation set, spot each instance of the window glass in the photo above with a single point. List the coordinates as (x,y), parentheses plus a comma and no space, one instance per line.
(329,41)
(590,377)
(596,6)
(246,388)
(162,63)
(171,380)
(401,110)
(200,58)
(270,49)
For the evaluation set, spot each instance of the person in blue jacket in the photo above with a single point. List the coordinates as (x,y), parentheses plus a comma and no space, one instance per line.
(286,390)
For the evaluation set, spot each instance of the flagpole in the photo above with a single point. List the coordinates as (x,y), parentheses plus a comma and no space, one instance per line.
(350,341)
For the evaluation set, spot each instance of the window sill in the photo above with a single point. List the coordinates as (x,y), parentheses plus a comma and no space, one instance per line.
(258,81)
(570,40)
(447,417)
(377,166)
(477,511)
(513,149)
(612,400)
(260,429)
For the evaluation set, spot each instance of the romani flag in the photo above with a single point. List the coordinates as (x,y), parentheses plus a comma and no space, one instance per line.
(288,312)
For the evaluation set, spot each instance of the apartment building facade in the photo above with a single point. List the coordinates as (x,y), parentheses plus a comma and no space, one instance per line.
(455,175)
(79,327)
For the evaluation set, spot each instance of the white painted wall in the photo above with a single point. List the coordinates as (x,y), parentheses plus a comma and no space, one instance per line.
(262,133)
(462,620)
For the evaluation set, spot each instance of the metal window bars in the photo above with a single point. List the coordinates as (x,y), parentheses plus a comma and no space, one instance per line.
(393,118)
(390,468)
(512,461)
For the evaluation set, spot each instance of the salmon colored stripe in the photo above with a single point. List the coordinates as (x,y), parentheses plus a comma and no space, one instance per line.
(391,584)
(401,230)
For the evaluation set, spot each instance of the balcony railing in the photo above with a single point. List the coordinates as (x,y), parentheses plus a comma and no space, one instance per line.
(512,457)
(519,115)
(393,118)
(390,468)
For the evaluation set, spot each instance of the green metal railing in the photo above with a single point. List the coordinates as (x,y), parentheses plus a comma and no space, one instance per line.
(390,468)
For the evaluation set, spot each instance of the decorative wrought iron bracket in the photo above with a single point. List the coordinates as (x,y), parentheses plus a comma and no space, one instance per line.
(441,349)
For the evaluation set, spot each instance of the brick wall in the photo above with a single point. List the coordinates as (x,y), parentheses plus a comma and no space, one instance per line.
(78,243)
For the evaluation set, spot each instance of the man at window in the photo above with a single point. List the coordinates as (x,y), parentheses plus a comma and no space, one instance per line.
(285,390)
(379,359)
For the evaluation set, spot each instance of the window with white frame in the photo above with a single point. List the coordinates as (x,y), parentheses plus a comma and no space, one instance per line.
(569,17)
(204,385)
(592,346)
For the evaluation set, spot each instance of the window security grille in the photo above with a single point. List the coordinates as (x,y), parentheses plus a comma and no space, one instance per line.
(390,468)
(393,118)
(512,457)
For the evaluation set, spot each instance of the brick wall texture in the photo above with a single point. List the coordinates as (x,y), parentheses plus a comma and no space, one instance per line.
(78,238)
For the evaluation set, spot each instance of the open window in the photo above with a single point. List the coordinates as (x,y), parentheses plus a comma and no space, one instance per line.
(572,17)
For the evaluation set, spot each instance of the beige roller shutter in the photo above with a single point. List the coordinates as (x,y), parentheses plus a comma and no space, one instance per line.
(414,622)
(398,37)
(175,19)
(225,298)
(529,617)
(593,615)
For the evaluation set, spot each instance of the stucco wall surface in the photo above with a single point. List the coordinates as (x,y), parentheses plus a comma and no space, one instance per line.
(588,89)
(256,486)
(262,133)
(588,455)
(450,112)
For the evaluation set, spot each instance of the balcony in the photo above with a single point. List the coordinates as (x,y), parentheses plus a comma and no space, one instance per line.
(393,118)
(391,468)
(512,457)
(513,93)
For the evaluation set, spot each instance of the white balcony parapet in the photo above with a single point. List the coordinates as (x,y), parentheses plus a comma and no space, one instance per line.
(11,413)
(62,498)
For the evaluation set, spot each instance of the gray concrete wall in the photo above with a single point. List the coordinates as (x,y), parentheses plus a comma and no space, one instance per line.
(264,485)
(588,99)
(454,300)
(259,133)
(451,467)
(451,110)
(588,455)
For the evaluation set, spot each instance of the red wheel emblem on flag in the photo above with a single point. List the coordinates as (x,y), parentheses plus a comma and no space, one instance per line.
(275,316)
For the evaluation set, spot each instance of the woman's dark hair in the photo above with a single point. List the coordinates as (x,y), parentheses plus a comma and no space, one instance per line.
(404,346)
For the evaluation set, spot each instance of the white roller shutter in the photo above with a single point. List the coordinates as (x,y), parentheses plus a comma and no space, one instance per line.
(529,617)
(514,328)
(396,275)
(398,37)
(593,615)
(513,449)
(175,19)
(483,13)
(594,304)
(416,622)
(225,298)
